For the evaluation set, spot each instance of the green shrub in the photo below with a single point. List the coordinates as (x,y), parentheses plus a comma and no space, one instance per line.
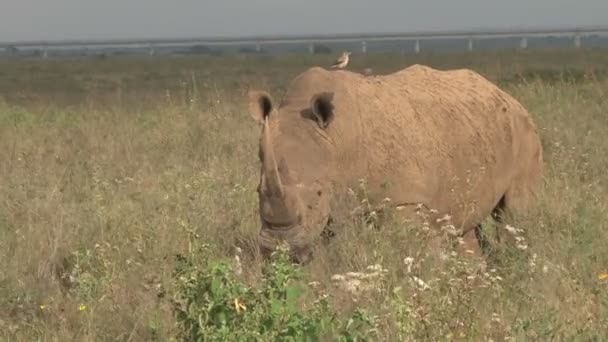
(212,304)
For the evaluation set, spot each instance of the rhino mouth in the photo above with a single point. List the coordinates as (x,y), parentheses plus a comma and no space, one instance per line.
(298,239)
(278,224)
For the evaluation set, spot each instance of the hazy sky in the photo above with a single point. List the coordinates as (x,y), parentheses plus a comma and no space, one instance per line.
(104,19)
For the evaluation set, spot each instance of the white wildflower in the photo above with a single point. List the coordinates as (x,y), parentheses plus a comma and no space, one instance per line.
(511,229)
(314,284)
(495,318)
(376,267)
(338,277)
(445,217)
(409,262)
(238,267)
(450,229)
(532,263)
(354,275)
(353,286)
(421,283)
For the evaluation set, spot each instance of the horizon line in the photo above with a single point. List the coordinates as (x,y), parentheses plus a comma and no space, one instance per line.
(472,32)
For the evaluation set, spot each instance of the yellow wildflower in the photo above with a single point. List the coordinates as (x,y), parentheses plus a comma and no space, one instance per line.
(42,307)
(603,276)
(82,307)
(239,306)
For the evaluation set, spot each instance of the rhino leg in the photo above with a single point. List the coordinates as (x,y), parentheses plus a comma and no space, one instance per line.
(526,186)
(482,240)
(471,238)
(472,243)
(486,243)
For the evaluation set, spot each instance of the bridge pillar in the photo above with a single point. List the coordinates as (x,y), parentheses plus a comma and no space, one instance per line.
(470,44)
(417,46)
(364,46)
(311,48)
(523,44)
(151,50)
(258,47)
(577,41)
(45,52)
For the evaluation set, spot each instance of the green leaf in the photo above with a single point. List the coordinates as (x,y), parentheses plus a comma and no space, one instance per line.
(292,295)
(215,286)
(276,307)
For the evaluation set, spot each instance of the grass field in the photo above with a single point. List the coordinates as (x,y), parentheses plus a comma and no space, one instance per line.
(107,167)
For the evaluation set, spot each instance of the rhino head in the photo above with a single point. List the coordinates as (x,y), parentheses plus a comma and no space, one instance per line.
(296,156)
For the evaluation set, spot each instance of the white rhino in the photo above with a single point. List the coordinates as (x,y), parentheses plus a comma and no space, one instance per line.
(450,140)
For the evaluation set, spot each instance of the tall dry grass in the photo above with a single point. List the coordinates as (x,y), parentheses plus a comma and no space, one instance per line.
(100,187)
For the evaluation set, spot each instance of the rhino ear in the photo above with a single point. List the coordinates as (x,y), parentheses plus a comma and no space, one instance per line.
(260,105)
(322,107)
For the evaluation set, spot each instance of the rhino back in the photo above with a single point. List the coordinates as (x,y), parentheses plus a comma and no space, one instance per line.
(445,138)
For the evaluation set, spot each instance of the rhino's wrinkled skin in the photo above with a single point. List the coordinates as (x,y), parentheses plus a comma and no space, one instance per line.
(450,140)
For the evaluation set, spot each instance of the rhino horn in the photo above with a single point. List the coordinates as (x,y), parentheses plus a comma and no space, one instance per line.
(272,181)
(284,203)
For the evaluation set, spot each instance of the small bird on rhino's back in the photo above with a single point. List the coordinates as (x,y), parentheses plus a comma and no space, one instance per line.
(342,61)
